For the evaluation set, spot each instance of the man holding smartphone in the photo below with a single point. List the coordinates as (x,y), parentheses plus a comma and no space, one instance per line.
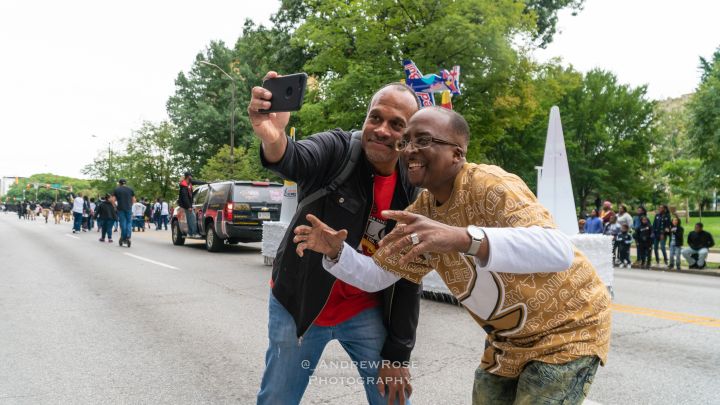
(308,307)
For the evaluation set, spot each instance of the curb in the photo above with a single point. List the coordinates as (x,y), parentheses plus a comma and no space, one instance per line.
(708,272)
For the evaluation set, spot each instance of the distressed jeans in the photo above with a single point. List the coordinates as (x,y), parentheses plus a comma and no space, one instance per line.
(539,383)
(290,365)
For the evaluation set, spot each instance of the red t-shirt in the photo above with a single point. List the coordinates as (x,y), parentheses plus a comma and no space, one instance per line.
(346,301)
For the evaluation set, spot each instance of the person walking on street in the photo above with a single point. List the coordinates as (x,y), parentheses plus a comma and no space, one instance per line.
(57,211)
(138,216)
(186,202)
(164,213)
(91,217)
(156,207)
(85,214)
(125,198)
(661,228)
(699,244)
(676,242)
(106,216)
(77,212)
(147,215)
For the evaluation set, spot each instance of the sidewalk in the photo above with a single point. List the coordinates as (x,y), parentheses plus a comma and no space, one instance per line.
(710,270)
(713,257)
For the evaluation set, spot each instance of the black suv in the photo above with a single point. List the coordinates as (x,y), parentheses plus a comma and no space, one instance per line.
(229,212)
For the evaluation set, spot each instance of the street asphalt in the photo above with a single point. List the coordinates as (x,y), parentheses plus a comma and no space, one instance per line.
(84,322)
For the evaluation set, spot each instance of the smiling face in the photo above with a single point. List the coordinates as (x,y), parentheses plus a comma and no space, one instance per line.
(436,166)
(386,120)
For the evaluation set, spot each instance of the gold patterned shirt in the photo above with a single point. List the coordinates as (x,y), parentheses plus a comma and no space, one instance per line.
(549,317)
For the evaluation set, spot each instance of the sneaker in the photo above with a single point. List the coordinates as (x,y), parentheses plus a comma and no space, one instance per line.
(127,241)
(109,240)
(693,266)
(101,240)
(120,242)
(701,267)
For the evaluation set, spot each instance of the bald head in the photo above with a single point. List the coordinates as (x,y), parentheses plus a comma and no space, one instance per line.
(457,126)
(395,87)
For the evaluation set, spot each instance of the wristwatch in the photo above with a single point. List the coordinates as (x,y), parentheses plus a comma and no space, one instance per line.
(477,236)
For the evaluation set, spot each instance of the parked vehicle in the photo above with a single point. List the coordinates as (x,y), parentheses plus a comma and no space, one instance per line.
(229,212)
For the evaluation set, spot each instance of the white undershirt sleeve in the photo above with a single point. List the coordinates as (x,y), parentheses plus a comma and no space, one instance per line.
(359,271)
(527,250)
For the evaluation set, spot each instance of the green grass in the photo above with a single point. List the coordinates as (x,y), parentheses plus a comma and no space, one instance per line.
(710,224)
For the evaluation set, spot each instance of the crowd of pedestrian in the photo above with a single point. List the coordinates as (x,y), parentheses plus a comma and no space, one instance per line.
(665,232)
(118,210)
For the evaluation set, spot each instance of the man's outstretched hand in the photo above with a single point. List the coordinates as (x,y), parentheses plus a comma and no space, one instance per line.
(432,236)
(318,237)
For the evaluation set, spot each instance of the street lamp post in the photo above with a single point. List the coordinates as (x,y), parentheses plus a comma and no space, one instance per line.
(232,113)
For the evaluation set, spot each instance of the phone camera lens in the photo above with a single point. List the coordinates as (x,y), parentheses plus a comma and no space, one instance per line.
(288,92)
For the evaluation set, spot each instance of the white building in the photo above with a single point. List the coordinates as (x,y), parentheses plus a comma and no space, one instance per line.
(6,182)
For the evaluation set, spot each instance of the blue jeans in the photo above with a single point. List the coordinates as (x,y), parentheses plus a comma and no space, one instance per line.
(675,256)
(191,221)
(657,242)
(77,221)
(164,221)
(702,254)
(125,218)
(290,364)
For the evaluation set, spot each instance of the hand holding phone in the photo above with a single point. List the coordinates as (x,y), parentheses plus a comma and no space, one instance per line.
(288,92)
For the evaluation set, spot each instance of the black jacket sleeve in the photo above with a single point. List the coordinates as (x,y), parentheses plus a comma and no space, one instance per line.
(306,161)
(402,322)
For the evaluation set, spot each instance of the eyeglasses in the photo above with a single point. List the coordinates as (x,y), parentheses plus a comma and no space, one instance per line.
(422,143)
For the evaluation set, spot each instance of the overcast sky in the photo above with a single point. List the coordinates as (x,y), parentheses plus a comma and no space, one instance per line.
(73,69)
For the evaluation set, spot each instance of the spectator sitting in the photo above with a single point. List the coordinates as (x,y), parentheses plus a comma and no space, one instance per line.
(593,224)
(699,241)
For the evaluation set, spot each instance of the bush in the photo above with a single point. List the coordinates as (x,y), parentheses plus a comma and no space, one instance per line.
(705,214)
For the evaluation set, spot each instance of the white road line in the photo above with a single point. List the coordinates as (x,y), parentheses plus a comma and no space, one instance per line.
(71,236)
(151,261)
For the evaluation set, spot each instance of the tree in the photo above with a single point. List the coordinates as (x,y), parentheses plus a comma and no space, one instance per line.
(704,121)
(686,181)
(608,130)
(60,188)
(147,162)
(201,105)
(244,168)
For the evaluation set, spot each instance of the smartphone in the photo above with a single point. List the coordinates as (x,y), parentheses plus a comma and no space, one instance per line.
(287,92)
